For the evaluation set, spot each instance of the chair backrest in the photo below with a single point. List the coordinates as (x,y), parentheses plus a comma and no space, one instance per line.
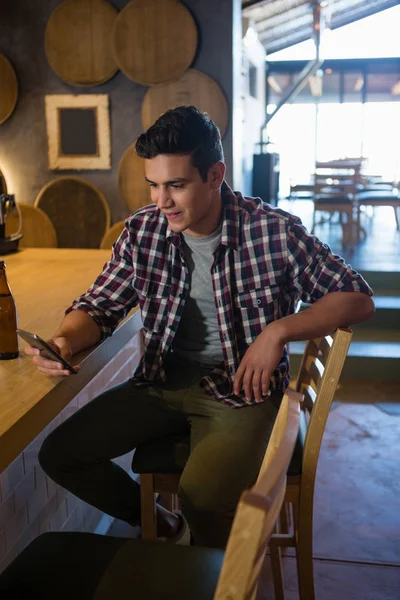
(259,509)
(111,235)
(354,164)
(37,229)
(335,184)
(319,374)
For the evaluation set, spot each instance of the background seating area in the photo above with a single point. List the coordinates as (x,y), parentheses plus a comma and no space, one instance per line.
(340,188)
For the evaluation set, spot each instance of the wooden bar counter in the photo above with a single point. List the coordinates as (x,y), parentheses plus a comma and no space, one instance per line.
(44,282)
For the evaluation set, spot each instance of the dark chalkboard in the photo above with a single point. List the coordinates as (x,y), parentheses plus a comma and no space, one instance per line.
(78,132)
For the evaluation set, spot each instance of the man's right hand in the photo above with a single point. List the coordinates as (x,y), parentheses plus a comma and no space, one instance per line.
(52,368)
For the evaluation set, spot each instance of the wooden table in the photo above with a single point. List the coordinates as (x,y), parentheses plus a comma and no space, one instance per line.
(44,282)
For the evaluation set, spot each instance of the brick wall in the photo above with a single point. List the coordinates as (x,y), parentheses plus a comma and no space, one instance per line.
(30,502)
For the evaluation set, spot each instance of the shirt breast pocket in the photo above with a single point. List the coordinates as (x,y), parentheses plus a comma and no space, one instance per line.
(153,300)
(255,309)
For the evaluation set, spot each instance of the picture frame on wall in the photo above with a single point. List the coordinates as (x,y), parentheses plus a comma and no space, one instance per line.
(78,131)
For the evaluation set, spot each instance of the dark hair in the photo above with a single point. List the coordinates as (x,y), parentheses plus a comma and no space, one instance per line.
(183,130)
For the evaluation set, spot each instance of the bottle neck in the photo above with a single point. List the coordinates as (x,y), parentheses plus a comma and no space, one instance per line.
(4,287)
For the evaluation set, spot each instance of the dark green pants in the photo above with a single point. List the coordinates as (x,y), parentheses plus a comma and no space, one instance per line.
(227,447)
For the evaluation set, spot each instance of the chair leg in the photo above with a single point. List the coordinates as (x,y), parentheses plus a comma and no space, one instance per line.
(351,226)
(358,224)
(284,518)
(303,522)
(344,234)
(176,503)
(396,217)
(313,222)
(168,501)
(277,570)
(148,506)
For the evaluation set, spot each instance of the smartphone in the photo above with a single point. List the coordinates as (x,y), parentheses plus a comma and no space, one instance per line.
(45,349)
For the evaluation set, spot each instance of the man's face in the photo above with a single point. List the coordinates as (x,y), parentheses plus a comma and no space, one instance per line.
(189,203)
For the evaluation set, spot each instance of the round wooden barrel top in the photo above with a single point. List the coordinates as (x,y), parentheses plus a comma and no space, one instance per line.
(194,87)
(78,210)
(154,40)
(132,185)
(78,42)
(37,229)
(8,87)
(111,235)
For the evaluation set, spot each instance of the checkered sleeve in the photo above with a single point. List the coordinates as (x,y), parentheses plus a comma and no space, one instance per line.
(313,270)
(112,295)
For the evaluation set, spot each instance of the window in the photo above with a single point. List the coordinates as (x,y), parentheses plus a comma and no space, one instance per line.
(339,128)
(292,131)
(381,139)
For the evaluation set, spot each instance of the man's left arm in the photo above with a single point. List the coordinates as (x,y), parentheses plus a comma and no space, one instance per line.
(340,298)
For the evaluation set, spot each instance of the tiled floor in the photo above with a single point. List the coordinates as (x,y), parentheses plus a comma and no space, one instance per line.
(357,517)
(357,514)
(339,581)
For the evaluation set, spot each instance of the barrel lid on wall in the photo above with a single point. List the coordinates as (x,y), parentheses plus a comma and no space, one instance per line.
(8,89)
(194,87)
(78,210)
(154,40)
(132,185)
(37,229)
(78,42)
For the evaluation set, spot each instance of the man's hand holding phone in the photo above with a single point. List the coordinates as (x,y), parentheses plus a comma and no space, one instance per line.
(52,357)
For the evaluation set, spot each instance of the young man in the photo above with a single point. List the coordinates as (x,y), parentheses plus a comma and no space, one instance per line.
(217,277)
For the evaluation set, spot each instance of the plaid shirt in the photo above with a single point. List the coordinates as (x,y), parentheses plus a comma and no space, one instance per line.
(264,264)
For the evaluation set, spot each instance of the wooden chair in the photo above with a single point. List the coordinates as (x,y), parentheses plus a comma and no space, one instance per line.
(318,377)
(259,508)
(111,235)
(317,380)
(382,197)
(336,195)
(118,569)
(37,229)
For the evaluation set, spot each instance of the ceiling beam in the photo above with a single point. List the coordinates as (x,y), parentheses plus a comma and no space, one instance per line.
(295,37)
(345,17)
(289,17)
(270,8)
(286,28)
(294,25)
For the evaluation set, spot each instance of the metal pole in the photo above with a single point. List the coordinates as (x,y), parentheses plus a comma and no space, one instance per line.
(309,69)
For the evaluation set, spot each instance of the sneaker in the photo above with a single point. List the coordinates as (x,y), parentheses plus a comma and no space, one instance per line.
(182,536)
